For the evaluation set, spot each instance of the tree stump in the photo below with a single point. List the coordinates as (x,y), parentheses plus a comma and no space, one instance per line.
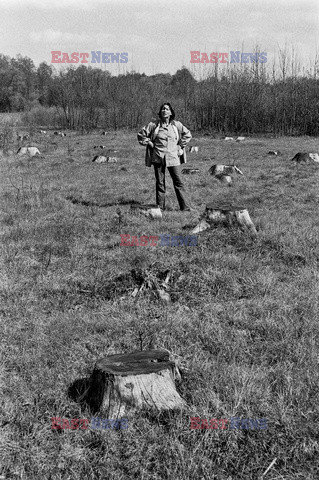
(224,172)
(227,215)
(314,157)
(152,211)
(128,382)
(305,157)
(220,170)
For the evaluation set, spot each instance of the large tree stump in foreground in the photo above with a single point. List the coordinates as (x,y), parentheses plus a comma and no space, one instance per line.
(227,215)
(152,211)
(127,382)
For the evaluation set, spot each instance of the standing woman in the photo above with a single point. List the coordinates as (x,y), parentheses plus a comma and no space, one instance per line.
(165,142)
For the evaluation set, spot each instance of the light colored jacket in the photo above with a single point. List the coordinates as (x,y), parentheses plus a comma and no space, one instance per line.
(149,132)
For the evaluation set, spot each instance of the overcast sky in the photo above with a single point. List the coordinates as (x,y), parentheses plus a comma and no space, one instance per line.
(157,34)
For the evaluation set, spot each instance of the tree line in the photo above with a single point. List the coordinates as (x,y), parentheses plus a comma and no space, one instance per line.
(229,99)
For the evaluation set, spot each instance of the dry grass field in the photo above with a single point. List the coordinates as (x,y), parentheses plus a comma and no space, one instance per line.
(242,324)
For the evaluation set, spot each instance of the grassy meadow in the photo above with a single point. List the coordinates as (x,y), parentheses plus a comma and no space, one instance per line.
(242,324)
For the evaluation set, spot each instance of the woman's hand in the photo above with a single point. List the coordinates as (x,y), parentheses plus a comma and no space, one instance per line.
(150,144)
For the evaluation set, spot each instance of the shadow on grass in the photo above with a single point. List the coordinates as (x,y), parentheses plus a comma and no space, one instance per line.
(88,203)
(78,389)
(88,392)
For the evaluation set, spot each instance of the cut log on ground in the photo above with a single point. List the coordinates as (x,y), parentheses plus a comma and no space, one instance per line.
(227,215)
(152,211)
(125,383)
(99,159)
(187,171)
(201,227)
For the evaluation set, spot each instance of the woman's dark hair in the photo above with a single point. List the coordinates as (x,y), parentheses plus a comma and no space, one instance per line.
(171,109)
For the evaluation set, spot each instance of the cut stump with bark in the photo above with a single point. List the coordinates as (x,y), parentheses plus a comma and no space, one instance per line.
(152,211)
(224,172)
(227,215)
(128,382)
(305,157)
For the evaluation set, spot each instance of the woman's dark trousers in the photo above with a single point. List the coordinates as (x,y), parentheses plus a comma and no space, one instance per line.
(177,182)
